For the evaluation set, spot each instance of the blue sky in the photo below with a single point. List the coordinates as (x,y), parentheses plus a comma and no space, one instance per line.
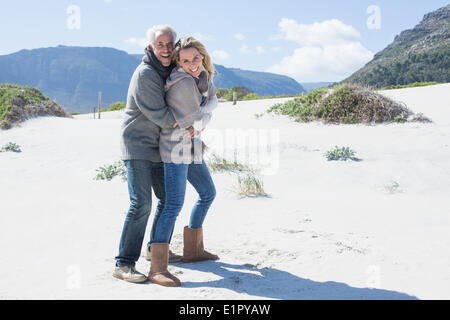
(320,40)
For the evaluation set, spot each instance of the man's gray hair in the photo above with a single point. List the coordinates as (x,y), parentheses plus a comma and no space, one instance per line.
(152,32)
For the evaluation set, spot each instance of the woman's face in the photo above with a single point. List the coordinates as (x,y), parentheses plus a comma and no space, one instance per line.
(191,61)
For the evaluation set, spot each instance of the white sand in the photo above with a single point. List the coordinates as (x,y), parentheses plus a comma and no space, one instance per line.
(328,230)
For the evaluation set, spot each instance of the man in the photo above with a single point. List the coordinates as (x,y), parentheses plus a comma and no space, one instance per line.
(146,113)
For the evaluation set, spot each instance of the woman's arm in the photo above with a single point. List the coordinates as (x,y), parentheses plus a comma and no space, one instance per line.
(184,103)
(211,105)
(207,110)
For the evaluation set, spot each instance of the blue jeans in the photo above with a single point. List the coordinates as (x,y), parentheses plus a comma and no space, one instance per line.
(142,177)
(176,177)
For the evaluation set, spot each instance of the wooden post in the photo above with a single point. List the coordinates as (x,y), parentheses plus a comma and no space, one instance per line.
(95,109)
(234,98)
(99,104)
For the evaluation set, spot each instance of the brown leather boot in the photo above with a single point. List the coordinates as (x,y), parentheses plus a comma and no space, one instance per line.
(193,246)
(158,270)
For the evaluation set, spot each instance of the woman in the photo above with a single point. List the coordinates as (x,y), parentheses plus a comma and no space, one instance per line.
(191,95)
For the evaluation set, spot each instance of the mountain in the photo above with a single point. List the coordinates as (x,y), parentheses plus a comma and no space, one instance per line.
(73,76)
(311,86)
(416,55)
(262,83)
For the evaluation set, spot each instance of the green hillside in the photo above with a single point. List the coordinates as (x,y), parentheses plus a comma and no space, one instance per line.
(421,54)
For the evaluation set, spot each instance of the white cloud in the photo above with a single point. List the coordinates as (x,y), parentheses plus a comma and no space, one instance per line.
(239,36)
(319,33)
(330,51)
(275,49)
(141,42)
(245,49)
(220,55)
(202,37)
(328,63)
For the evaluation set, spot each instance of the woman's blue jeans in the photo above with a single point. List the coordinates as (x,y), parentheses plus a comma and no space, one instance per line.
(176,177)
(142,176)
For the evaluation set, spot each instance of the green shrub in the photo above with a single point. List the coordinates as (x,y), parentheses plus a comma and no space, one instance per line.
(116,106)
(399,119)
(218,164)
(346,104)
(411,85)
(241,92)
(244,94)
(18,103)
(300,107)
(11,147)
(108,172)
(251,186)
(342,154)
(14,94)
(251,96)
(222,92)
(393,188)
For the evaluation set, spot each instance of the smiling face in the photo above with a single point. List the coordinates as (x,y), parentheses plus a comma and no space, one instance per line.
(163,47)
(191,61)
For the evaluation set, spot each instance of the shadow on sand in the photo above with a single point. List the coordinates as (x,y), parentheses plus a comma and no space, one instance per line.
(276,284)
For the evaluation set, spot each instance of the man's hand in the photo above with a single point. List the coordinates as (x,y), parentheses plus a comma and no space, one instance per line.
(192,133)
(175,125)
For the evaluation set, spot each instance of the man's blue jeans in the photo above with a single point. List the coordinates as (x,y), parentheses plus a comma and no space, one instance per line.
(142,177)
(176,177)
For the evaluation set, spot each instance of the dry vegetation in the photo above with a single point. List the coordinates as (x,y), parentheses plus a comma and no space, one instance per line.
(346,104)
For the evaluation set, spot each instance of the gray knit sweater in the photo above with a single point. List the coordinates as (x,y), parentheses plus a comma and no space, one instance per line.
(184,100)
(146,113)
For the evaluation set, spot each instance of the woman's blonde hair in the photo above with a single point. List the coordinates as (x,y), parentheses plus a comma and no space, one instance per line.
(190,42)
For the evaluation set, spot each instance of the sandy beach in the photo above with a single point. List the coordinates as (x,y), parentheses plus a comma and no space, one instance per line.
(377,228)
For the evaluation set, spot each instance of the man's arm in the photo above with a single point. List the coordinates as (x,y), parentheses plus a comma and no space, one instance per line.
(149,97)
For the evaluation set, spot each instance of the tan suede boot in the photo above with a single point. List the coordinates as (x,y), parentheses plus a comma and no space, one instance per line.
(193,246)
(173,257)
(158,270)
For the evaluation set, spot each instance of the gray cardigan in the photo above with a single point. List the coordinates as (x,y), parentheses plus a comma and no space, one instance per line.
(145,115)
(184,100)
